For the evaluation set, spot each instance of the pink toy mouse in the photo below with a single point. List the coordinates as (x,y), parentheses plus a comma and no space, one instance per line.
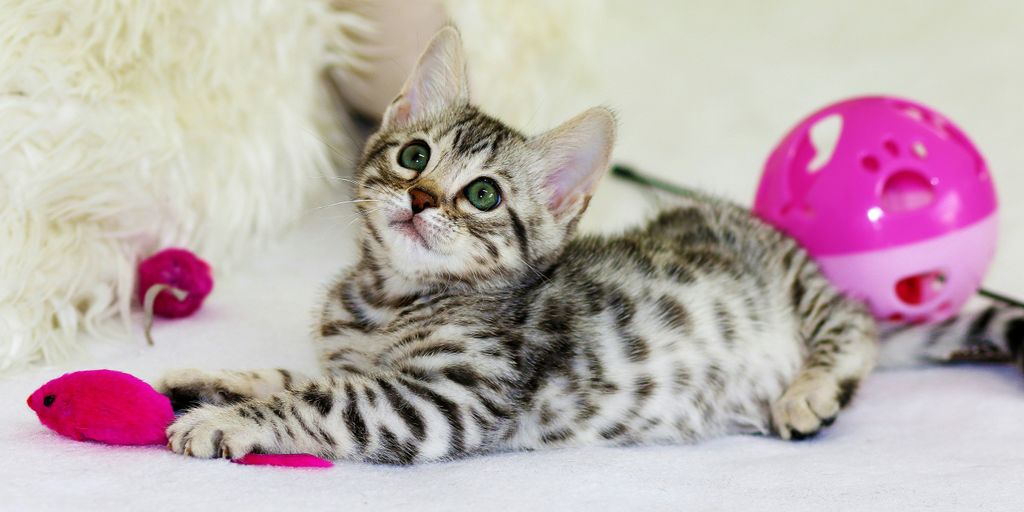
(116,408)
(103,405)
(901,213)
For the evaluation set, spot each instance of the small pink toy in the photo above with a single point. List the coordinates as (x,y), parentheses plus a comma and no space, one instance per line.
(901,214)
(290,460)
(173,283)
(174,269)
(116,408)
(103,405)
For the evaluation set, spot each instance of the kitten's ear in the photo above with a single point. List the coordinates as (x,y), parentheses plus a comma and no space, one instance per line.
(438,82)
(575,157)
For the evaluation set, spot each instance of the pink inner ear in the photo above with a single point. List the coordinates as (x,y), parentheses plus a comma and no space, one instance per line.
(576,156)
(574,178)
(561,184)
(399,112)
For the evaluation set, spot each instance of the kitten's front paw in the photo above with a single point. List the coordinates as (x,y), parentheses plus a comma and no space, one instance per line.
(212,431)
(806,407)
(188,388)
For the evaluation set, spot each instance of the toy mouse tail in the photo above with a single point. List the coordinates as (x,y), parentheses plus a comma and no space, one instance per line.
(993,333)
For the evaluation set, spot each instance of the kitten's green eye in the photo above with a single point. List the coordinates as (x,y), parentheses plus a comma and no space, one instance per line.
(414,155)
(483,194)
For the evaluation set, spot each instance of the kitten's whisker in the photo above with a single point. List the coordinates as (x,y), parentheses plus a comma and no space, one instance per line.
(388,194)
(362,213)
(342,157)
(348,202)
(346,180)
(535,271)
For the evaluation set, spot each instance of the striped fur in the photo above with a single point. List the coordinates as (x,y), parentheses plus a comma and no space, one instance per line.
(500,330)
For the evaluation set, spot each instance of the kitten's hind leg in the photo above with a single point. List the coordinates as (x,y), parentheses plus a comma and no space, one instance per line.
(189,387)
(842,347)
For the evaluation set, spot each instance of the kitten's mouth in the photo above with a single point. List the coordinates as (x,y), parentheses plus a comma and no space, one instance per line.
(408,229)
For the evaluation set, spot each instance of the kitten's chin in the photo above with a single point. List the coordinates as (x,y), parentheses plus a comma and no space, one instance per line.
(407,233)
(412,251)
(413,261)
(409,251)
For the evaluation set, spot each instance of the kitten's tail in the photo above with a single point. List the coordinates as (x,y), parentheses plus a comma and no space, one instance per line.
(994,333)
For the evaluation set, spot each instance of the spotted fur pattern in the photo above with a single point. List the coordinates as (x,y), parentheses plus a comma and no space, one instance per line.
(462,331)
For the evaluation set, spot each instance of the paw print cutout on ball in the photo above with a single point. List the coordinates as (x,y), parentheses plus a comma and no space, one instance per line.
(906,185)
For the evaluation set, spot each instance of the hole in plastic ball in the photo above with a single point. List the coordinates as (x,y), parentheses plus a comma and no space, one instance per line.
(919,150)
(870,163)
(892,147)
(824,136)
(920,288)
(906,190)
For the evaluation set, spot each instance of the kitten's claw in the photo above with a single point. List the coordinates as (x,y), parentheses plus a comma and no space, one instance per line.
(805,408)
(211,431)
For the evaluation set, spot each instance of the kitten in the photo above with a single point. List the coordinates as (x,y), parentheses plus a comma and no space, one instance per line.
(475,322)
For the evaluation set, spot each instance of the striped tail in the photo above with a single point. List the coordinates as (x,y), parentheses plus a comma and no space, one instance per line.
(993,333)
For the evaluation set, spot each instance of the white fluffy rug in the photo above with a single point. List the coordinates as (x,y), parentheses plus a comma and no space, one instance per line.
(703,91)
(127,127)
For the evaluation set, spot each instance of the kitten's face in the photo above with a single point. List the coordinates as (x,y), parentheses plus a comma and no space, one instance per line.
(448,193)
(453,196)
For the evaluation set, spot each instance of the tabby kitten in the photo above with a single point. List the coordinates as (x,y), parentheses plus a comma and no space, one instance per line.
(475,322)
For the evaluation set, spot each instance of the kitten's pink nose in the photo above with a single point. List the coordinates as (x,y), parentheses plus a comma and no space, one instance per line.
(421,200)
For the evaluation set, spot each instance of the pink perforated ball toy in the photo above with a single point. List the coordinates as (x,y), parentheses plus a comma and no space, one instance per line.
(902,214)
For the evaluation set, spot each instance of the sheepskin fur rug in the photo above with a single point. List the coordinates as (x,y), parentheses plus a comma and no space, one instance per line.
(130,126)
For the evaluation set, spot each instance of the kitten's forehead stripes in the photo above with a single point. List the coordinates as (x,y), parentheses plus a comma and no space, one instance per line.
(475,131)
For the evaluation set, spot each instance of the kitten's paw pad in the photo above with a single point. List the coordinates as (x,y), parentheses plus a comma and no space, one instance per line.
(806,407)
(190,388)
(215,432)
